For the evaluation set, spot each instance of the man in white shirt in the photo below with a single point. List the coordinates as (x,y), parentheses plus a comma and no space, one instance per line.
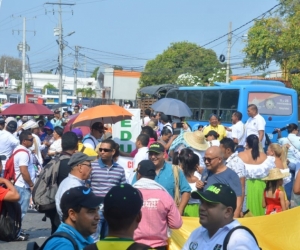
(146,118)
(218,203)
(235,163)
(24,171)
(165,121)
(141,144)
(237,131)
(92,140)
(256,124)
(8,141)
(81,168)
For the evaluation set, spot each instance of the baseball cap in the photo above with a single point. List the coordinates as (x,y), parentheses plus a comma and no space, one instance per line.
(146,168)
(78,158)
(217,193)
(213,133)
(79,196)
(11,126)
(78,132)
(157,148)
(122,201)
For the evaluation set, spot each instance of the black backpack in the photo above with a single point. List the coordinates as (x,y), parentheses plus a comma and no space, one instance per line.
(227,238)
(10,221)
(35,246)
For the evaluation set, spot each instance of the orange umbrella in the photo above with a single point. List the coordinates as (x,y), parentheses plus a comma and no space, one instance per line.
(102,113)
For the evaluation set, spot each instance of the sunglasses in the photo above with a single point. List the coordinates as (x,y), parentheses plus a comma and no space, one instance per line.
(205,159)
(29,139)
(105,150)
(89,165)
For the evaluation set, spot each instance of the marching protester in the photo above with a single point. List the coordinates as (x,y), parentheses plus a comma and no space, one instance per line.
(214,125)
(122,211)
(159,211)
(216,213)
(92,140)
(217,172)
(166,174)
(106,173)
(237,131)
(79,206)
(80,165)
(24,173)
(255,125)
(55,148)
(57,120)
(81,147)
(257,166)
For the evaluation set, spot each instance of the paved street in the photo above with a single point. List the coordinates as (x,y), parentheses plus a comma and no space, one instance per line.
(32,224)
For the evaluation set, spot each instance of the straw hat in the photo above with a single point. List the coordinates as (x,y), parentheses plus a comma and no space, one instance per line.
(196,140)
(275,174)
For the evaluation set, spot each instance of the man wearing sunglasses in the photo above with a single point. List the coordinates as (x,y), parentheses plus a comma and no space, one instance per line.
(97,131)
(81,167)
(24,173)
(105,174)
(217,172)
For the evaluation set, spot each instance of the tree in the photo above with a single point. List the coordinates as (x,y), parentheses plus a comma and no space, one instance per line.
(79,91)
(19,87)
(86,92)
(276,39)
(95,72)
(48,86)
(13,66)
(180,58)
(188,80)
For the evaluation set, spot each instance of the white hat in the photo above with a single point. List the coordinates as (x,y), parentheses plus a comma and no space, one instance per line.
(8,119)
(29,125)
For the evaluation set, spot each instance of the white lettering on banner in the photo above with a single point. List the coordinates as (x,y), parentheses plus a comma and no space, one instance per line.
(151,203)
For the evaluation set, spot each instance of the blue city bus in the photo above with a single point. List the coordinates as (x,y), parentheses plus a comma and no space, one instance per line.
(276,103)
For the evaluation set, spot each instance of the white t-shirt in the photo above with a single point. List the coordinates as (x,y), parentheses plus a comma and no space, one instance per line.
(38,154)
(142,154)
(55,147)
(238,132)
(240,239)
(254,124)
(22,159)
(8,143)
(145,120)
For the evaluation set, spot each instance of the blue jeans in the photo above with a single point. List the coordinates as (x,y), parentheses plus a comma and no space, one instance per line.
(289,186)
(102,228)
(24,199)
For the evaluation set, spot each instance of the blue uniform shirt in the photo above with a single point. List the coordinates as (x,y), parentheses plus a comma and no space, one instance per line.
(61,243)
(166,179)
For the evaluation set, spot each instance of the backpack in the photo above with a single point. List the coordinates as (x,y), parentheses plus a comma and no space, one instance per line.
(45,187)
(227,238)
(35,246)
(9,172)
(10,220)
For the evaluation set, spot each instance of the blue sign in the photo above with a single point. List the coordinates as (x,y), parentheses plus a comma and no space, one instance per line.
(56,92)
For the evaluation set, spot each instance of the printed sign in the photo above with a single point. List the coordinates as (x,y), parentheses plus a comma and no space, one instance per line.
(271,103)
(56,92)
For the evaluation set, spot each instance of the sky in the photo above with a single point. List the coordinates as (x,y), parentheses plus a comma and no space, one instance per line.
(124,32)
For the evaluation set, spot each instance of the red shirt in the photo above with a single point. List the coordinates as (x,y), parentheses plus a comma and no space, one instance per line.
(3,192)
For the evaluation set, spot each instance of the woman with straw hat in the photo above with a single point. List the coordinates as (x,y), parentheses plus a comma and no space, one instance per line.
(273,197)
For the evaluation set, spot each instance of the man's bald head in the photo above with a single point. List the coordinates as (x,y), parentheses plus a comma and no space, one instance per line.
(213,158)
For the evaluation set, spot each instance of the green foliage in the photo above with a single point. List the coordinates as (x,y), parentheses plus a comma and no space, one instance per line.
(19,87)
(276,39)
(180,58)
(86,92)
(13,66)
(48,86)
(116,67)
(95,72)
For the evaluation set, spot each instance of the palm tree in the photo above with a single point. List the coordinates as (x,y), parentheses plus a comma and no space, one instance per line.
(89,92)
(80,92)
(19,87)
(48,86)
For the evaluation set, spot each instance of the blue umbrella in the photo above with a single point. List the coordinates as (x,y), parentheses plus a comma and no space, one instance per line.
(170,106)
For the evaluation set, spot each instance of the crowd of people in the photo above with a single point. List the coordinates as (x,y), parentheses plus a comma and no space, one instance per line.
(215,173)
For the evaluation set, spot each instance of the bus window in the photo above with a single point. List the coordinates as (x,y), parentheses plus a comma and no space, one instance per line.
(172,94)
(272,103)
(193,100)
(228,104)
(181,96)
(210,103)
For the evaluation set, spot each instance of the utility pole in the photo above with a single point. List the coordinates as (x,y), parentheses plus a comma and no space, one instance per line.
(228,53)
(23,96)
(75,70)
(4,77)
(61,48)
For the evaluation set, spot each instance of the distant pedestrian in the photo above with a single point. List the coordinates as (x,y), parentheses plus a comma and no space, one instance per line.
(92,140)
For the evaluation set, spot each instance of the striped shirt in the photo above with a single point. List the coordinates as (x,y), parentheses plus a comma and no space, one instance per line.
(103,177)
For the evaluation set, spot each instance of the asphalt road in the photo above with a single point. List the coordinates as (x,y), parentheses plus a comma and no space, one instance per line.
(32,224)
